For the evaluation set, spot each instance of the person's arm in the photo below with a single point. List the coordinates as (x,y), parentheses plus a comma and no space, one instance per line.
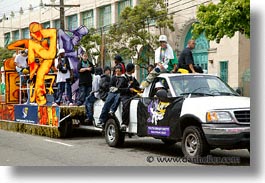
(16,62)
(123,86)
(92,68)
(80,68)
(175,63)
(175,68)
(189,60)
(58,64)
(192,68)
(89,68)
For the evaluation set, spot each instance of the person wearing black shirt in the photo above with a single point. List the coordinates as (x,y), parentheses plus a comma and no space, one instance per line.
(113,99)
(186,60)
(127,89)
(85,69)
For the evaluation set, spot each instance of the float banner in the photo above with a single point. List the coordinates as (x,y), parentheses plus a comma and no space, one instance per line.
(26,114)
(158,118)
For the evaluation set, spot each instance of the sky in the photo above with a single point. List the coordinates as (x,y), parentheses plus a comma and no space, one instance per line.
(6,6)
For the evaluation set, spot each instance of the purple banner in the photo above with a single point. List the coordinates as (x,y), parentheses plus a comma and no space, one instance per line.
(158,131)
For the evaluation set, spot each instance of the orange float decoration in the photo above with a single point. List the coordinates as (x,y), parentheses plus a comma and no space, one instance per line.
(41,47)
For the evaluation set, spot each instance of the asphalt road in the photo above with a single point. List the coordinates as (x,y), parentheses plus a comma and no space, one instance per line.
(88,148)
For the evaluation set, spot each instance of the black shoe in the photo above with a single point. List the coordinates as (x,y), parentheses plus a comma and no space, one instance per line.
(123,128)
(79,104)
(88,122)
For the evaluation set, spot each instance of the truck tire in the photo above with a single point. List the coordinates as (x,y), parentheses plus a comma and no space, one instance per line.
(66,129)
(113,135)
(169,142)
(193,143)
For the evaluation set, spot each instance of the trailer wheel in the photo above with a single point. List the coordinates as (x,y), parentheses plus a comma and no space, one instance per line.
(65,129)
(194,143)
(169,141)
(113,136)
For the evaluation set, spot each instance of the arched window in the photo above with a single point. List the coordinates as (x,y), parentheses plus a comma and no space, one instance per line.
(200,52)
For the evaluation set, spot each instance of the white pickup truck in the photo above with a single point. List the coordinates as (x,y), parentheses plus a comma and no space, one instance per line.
(198,110)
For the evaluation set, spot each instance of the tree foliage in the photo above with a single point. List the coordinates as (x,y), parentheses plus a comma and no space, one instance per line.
(4,54)
(132,30)
(223,19)
(91,42)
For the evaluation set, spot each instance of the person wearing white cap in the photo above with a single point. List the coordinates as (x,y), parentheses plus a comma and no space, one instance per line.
(164,55)
(165,60)
(64,76)
(159,85)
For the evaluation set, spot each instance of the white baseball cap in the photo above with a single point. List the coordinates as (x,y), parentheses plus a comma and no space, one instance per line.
(159,85)
(60,51)
(162,38)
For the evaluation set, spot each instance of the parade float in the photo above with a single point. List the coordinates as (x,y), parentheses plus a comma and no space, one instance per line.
(27,107)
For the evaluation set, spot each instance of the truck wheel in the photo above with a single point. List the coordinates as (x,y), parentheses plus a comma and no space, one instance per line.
(113,136)
(66,129)
(194,143)
(169,141)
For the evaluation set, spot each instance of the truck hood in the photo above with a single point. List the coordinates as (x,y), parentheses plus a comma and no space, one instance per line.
(198,106)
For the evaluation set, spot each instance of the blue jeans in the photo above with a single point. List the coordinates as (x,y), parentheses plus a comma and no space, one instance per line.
(84,92)
(90,100)
(61,90)
(111,104)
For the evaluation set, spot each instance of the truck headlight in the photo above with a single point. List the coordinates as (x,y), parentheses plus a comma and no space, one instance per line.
(219,117)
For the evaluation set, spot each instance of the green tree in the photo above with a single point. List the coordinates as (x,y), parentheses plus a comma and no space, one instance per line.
(4,54)
(223,19)
(132,30)
(91,42)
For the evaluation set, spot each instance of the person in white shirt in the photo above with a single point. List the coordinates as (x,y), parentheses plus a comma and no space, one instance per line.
(21,62)
(64,77)
(94,95)
(164,55)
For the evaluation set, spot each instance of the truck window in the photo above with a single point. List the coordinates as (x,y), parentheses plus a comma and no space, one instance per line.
(164,83)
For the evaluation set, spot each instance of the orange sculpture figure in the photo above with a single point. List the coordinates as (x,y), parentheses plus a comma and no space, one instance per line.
(39,49)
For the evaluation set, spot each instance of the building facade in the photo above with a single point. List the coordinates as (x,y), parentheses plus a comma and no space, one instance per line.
(230,59)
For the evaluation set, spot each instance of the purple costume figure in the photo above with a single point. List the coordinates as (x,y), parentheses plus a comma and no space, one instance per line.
(69,42)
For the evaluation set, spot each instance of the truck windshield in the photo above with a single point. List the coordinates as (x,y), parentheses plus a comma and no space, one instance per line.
(203,85)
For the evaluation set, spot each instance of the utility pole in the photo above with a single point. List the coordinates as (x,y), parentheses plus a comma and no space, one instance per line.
(62,5)
(102,48)
(62,14)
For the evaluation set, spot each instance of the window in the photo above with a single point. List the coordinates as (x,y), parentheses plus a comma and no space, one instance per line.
(25,33)
(224,71)
(163,81)
(7,39)
(122,5)
(88,19)
(16,35)
(57,24)
(46,25)
(105,16)
(72,22)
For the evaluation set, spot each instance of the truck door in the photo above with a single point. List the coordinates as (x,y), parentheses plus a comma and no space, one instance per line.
(157,116)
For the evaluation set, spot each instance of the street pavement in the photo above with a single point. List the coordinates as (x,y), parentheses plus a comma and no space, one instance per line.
(88,148)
